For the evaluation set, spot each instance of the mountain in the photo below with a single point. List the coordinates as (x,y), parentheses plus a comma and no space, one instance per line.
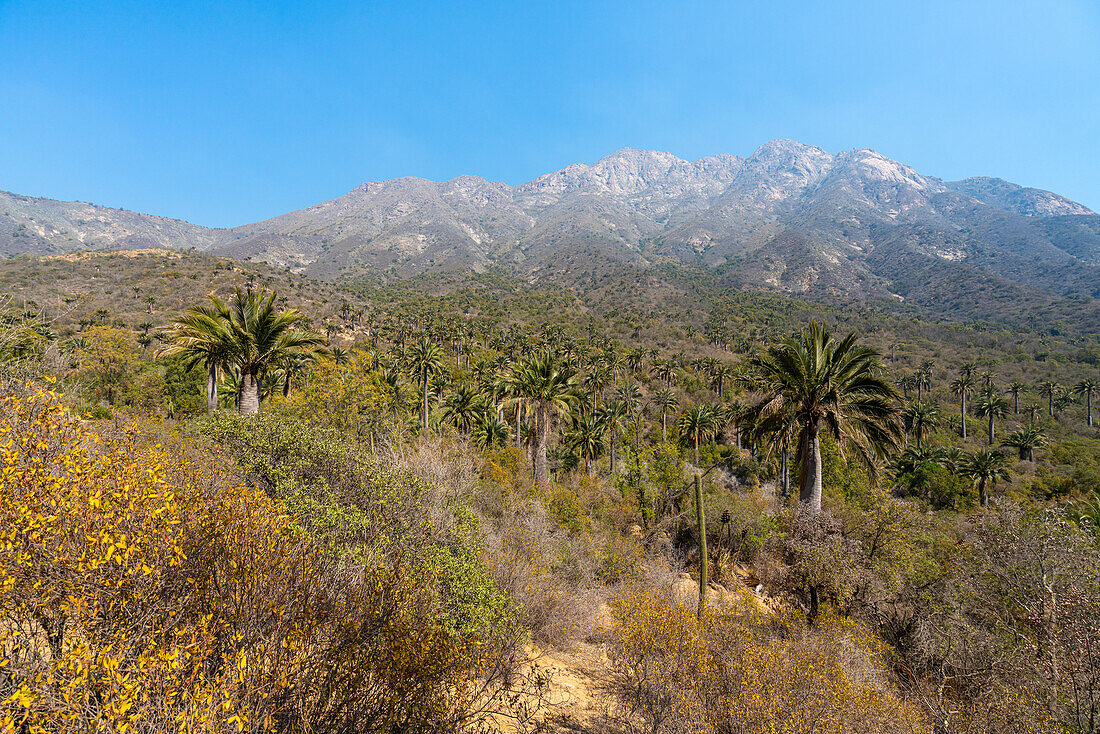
(790,217)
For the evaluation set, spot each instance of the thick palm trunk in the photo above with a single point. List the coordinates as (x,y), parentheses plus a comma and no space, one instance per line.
(664,426)
(983,495)
(211,388)
(1088,407)
(250,392)
(962,414)
(542,473)
(809,490)
(990,429)
(784,472)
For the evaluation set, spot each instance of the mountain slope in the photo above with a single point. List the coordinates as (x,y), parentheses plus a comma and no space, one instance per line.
(790,217)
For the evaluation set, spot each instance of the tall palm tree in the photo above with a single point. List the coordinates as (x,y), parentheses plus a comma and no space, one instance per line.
(819,382)
(426,360)
(666,401)
(547,389)
(960,388)
(586,438)
(1014,389)
(698,424)
(612,415)
(991,406)
(1087,388)
(490,431)
(1050,390)
(203,337)
(985,467)
(921,418)
(1025,440)
(924,376)
(664,370)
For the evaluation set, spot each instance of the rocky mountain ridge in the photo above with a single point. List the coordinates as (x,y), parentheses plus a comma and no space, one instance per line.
(789,217)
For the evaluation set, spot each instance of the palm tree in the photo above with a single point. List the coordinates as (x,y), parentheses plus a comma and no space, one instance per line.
(719,374)
(1050,390)
(960,388)
(1087,388)
(291,367)
(1025,440)
(985,467)
(547,389)
(611,415)
(1014,389)
(666,401)
(463,407)
(924,376)
(664,370)
(340,355)
(818,382)
(586,438)
(596,381)
(248,333)
(921,418)
(202,336)
(426,359)
(490,431)
(991,406)
(698,424)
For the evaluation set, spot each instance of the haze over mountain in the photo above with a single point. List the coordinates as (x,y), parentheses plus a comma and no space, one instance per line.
(790,217)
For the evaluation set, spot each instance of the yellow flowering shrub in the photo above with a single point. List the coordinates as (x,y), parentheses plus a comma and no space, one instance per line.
(748,672)
(142,591)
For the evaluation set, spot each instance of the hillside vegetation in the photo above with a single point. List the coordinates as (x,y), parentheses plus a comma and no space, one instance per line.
(395,498)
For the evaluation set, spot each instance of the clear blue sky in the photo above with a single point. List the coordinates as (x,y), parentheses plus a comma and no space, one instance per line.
(223,113)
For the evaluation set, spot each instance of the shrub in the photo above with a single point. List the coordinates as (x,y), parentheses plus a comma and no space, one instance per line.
(141,591)
(745,673)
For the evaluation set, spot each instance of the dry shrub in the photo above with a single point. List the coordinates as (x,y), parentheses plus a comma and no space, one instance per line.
(548,571)
(141,591)
(746,673)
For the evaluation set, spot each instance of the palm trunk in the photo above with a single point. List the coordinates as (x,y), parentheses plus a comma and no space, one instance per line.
(250,391)
(286,386)
(785,472)
(612,450)
(983,496)
(1015,402)
(664,426)
(809,490)
(700,519)
(991,429)
(962,414)
(424,407)
(542,474)
(211,388)
(1088,407)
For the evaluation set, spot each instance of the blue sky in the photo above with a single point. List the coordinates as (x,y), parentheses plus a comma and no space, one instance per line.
(225,113)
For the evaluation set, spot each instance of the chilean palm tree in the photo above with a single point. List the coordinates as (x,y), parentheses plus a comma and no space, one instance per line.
(819,382)
(960,388)
(463,407)
(612,415)
(666,401)
(664,370)
(985,467)
(924,376)
(1025,440)
(426,359)
(202,336)
(1014,389)
(490,431)
(921,418)
(1087,388)
(547,389)
(698,424)
(991,406)
(586,438)
(249,334)
(1050,390)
